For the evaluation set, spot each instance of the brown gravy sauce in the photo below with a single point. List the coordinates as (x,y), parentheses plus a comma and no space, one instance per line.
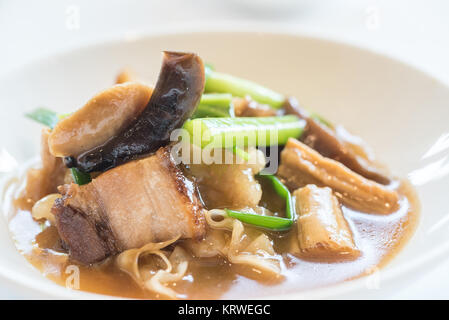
(378,237)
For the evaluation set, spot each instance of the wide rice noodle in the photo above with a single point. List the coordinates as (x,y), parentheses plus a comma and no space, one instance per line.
(137,263)
(253,249)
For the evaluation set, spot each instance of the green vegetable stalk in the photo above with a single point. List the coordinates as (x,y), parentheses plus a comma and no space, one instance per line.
(240,132)
(273,223)
(79,177)
(225,83)
(216,99)
(239,152)
(215,105)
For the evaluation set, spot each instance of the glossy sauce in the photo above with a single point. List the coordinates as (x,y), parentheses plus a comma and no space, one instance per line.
(378,237)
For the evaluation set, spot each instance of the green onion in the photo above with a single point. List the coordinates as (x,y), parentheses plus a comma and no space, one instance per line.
(79,177)
(51,119)
(224,83)
(250,131)
(44,116)
(216,99)
(270,222)
(240,153)
(205,111)
(215,105)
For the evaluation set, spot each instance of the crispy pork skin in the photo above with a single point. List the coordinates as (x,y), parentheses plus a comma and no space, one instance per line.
(148,200)
(301,165)
(328,144)
(323,232)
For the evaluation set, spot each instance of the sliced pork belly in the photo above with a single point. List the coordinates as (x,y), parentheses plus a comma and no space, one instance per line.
(143,201)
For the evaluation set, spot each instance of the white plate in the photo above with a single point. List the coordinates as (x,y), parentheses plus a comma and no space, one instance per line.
(401,112)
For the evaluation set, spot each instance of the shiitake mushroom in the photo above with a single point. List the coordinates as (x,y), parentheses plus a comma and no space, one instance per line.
(174,99)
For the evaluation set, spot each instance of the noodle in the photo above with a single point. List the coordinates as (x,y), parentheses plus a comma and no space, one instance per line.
(243,247)
(131,262)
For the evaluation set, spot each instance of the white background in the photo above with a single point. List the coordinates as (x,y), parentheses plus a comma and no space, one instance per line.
(416,32)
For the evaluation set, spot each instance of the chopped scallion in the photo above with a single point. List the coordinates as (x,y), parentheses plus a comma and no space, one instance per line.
(274,223)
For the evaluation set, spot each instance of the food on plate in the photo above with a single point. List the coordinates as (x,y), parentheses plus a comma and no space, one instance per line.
(205,185)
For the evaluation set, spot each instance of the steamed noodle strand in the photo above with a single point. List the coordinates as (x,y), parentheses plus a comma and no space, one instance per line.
(245,248)
(176,269)
(132,262)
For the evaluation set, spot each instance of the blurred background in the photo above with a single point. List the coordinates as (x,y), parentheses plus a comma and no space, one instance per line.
(416,32)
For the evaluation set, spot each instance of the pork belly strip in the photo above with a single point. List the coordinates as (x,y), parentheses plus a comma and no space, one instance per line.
(143,201)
